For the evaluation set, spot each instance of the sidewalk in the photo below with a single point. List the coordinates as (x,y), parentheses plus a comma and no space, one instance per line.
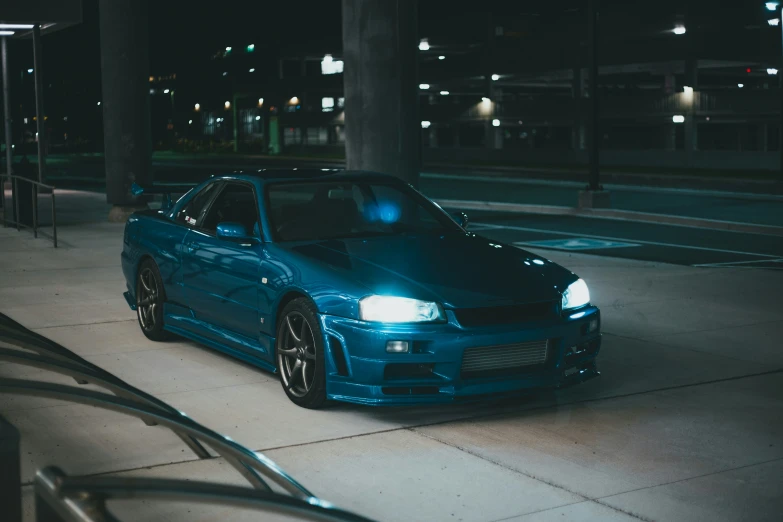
(691,364)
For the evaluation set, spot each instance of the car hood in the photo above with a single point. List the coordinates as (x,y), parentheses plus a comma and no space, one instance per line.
(458,270)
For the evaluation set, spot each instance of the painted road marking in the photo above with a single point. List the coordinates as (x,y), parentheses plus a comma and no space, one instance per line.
(578,243)
(739,264)
(641,242)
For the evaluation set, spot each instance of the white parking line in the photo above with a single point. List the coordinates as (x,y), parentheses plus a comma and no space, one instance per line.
(622,239)
(735,263)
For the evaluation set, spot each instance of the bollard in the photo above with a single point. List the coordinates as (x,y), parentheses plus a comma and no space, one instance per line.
(10,479)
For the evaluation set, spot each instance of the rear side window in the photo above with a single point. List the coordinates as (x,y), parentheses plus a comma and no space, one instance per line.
(191,213)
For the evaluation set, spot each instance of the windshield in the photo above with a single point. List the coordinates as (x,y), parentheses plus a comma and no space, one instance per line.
(341,209)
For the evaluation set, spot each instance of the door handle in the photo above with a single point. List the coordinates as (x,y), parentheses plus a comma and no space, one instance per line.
(192,247)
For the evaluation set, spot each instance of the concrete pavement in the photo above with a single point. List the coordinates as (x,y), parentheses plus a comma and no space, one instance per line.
(683,424)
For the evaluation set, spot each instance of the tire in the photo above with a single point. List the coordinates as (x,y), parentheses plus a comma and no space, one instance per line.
(150,296)
(299,352)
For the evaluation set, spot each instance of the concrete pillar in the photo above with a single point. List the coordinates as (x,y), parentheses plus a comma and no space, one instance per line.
(125,102)
(380,51)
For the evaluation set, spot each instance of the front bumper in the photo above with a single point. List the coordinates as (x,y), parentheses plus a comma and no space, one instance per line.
(358,368)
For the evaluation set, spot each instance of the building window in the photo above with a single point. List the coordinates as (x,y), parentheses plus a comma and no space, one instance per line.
(327,104)
(340,103)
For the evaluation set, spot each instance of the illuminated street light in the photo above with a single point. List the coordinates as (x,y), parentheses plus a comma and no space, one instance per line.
(771,6)
(424,86)
(197,107)
(772,71)
(165,91)
(253,69)
(680,29)
(678,118)
(190,122)
(227,105)
(444,93)
(687,90)
(425,124)
(99,103)
(251,48)
(331,66)
(496,123)
(424,45)
(740,85)
(260,102)
(495,77)
(441,57)
(485,99)
(774,21)
(258,118)
(29,71)
(228,49)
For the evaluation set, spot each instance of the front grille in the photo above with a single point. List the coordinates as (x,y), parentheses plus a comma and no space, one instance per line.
(493,315)
(506,359)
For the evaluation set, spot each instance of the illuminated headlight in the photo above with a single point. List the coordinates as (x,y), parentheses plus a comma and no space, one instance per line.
(576,295)
(387,309)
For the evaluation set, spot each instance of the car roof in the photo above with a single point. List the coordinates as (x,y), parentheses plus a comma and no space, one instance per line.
(305,174)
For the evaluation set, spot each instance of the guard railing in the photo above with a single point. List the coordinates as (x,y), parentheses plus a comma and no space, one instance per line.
(36,185)
(81,498)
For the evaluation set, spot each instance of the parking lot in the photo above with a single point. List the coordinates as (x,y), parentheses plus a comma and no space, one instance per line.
(683,424)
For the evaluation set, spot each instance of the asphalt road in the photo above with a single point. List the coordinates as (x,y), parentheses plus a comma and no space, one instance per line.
(632,240)
(604,237)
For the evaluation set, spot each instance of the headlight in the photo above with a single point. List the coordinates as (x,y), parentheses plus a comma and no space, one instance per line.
(576,295)
(387,309)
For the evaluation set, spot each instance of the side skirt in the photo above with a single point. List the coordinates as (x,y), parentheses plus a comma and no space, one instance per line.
(239,354)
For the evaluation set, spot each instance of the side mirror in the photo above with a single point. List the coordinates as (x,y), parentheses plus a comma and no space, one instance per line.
(231,230)
(461,218)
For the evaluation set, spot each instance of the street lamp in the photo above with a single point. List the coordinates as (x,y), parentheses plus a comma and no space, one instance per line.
(680,29)
(424,86)
(424,45)
(771,6)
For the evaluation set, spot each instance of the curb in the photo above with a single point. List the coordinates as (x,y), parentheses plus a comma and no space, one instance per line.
(621,215)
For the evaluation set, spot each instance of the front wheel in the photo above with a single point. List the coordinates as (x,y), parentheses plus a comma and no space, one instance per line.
(300,354)
(150,297)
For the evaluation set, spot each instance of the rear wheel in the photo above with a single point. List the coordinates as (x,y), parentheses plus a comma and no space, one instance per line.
(150,297)
(300,354)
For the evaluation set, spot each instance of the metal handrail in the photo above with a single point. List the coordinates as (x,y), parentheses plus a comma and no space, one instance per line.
(133,401)
(56,358)
(249,464)
(14,182)
(84,498)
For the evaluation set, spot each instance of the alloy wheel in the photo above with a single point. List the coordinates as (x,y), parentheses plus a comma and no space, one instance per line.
(147,299)
(296,355)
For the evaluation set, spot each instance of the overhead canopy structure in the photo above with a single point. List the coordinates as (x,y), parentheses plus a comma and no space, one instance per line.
(31,19)
(50,15)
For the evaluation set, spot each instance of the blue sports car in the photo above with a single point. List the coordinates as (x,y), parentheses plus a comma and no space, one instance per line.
(355,287)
